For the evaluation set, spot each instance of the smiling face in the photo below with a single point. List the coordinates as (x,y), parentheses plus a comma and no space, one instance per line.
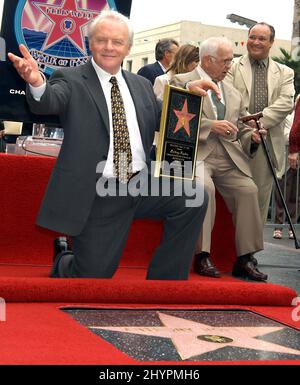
(259,42)
(109,44)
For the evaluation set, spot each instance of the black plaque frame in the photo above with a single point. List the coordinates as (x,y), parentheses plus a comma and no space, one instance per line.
(179,145)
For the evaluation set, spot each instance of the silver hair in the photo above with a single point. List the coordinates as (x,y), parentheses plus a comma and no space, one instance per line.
(111,15)
(211,45)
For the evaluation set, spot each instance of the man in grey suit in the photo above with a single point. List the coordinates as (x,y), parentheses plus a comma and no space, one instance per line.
(88,99)
(225,146)
(266,86)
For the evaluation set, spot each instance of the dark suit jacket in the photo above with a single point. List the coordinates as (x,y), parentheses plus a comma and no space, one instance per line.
(151,71)
(76,96)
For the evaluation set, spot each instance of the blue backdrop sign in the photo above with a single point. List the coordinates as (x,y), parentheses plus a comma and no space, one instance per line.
(56,34)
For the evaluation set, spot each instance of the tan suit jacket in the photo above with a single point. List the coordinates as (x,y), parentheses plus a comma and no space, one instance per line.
(281,99)
(234,183)
(238,148)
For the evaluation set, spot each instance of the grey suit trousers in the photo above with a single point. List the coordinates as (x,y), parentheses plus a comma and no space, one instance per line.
(98,249)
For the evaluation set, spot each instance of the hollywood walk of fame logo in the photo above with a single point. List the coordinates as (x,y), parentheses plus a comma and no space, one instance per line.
(184,118)
(55,31)
(195,335)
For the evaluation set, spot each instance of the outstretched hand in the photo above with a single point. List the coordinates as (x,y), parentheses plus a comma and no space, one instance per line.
(201,86)
(27,67)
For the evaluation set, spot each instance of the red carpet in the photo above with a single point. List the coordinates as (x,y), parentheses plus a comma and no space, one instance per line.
(26,255)
(19,284)
(37,332)
(41,334)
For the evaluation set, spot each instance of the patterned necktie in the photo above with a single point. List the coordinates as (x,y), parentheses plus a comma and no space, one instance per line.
(221,109)
(260,87)
(122,156)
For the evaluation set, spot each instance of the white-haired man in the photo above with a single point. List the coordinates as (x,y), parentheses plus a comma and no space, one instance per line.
(106,113)
(225,145)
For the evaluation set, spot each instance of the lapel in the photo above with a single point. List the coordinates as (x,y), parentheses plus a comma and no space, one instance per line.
(159,71)
(272,78)
(94,87)
(246,72)
(228,97)
(207,104)
(137,98)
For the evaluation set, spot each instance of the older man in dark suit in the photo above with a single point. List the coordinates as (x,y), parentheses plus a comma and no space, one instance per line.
(165,51)
(106,113)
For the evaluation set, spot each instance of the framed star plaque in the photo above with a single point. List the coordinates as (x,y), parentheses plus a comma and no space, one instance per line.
(179,134)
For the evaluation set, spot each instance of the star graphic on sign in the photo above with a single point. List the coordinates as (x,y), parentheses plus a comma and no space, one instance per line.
(68,21)
(193,338)
(184,118)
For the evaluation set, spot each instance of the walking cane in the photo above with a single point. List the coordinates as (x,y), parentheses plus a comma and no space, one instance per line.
(256,118)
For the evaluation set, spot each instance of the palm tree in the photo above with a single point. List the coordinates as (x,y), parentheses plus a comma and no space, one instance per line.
(288,60)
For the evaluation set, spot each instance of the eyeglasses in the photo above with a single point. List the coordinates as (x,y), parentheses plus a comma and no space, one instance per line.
(226,62)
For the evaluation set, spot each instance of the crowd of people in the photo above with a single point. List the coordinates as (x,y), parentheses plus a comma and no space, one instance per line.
(123,110)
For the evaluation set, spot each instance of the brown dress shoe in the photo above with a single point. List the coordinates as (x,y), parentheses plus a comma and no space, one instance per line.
(246,269)
(204,266)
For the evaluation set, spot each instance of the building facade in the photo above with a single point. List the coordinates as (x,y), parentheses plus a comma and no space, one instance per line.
(191,32)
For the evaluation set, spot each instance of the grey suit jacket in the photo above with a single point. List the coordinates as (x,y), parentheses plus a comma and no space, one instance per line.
(76,96)
(239,149)
(281,99)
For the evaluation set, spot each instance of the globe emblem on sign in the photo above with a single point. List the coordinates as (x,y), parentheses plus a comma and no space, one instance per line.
(67,26)
(56,31)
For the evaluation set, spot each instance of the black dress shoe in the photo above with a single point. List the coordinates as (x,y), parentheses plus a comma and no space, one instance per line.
(60,245)
(204,266)
(246,269)
(54,270)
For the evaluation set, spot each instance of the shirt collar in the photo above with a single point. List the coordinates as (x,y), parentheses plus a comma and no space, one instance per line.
(265,61)
(105,76)
(162,67)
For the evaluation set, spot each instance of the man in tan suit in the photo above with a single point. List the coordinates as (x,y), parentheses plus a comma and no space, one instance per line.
(225,146)
(266,86)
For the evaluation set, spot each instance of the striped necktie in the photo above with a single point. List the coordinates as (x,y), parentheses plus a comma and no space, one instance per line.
(122,155)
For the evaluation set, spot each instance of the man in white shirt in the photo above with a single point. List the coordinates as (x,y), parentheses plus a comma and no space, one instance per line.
(97,103)
(225,146)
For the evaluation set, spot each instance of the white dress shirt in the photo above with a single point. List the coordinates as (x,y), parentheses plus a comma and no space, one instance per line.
(137,149)
(160,83)
(162,67)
